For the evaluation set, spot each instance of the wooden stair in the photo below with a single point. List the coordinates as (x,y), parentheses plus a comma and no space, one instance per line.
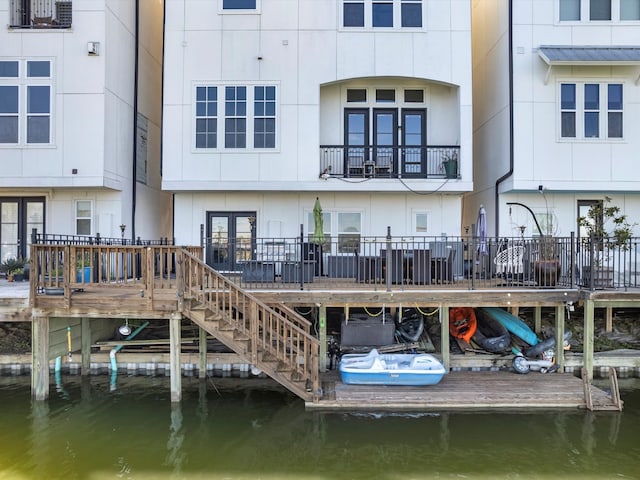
(274,340)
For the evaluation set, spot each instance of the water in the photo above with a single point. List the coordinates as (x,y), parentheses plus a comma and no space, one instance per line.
(252,429)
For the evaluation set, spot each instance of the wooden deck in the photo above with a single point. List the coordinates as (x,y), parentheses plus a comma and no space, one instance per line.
(465,390)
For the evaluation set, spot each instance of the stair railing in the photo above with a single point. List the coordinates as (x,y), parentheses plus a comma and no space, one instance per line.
(281,333)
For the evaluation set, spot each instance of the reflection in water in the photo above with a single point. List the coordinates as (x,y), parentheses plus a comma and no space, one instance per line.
(175,456)
(258,430)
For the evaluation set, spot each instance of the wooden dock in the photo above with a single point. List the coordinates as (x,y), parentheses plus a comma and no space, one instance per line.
(466,391)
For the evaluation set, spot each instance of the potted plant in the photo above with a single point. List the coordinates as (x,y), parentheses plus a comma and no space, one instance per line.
(12,267)
(546,268)
(450,164)
(83,268)
(609,231)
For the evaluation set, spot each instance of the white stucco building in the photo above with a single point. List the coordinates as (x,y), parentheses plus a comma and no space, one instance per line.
(71,161)
(269,104)
(556,111)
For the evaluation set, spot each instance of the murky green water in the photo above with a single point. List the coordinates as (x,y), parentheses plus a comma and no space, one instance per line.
(245,429)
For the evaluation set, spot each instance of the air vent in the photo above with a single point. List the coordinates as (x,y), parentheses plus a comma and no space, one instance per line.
(64,13)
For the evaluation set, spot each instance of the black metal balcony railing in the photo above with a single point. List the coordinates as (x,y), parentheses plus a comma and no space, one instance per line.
(437,161)
(399,263)
(40,14)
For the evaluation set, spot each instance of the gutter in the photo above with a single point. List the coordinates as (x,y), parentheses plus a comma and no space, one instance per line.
(510,171)
(135,121)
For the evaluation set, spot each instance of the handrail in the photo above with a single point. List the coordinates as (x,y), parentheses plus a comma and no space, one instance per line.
(277,332)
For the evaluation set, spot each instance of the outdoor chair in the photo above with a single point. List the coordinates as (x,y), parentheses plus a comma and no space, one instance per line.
(509,261)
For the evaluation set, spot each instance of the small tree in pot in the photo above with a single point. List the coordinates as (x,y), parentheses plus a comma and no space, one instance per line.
(12,267)
(609,231)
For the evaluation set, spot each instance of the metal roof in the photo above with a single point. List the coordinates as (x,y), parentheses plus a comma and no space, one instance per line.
(590,55)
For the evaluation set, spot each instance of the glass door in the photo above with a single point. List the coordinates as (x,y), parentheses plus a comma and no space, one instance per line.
(356,136)
(385,141)
(18,216)
(231,239)
(414,141)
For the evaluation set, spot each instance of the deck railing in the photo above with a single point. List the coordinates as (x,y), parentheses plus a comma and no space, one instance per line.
(396,263)
(368,161)
(40,13)
(60,269)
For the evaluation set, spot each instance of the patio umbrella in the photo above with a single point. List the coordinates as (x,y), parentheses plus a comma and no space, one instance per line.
(481,231)
(318,232)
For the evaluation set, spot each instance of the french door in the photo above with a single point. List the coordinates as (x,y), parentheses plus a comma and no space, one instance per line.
(373,150)
(414,142)
(231,239)
(18,216)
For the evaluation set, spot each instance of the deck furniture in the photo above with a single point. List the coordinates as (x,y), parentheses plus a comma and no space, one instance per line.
(292,272)
(258,271)
(442,268)
(342,266)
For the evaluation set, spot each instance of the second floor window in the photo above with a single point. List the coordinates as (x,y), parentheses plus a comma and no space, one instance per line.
(599,10)
(382,13)
(235,117)
(591,110)
(25,102)
(239,4)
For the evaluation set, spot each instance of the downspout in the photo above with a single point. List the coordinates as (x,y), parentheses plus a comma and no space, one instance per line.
(510,171)
(135,122)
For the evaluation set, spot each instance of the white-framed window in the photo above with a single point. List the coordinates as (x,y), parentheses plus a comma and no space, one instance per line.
(421,223)
(84,217)
(598,10)
(239,5)
(25,102)
(591,110)
(345,226)
(235,117)
(382,13)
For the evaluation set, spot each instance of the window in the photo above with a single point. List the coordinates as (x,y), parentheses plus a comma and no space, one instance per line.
(385,96)
(353,14)
(349,228)
(25,102)
(235,110)
(206,117)
(356,95)
(568,110)
(411,13)
(264,130)
(599,10)
(239,4)
(630,10)
(246,118)
(382,13)
(421,223)
(84,214)
(414,96)
(594,109)
(569,10)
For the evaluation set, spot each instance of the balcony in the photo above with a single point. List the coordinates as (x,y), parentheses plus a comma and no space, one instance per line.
(36,14)
(348,161)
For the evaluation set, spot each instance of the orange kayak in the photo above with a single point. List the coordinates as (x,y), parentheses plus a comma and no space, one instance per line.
(462,323)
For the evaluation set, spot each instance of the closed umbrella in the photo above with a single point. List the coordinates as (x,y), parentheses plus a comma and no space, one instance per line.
(318,232)
(481,231)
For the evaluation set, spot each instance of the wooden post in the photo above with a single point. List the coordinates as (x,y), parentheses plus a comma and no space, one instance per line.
(587,348)
(202,350)
(444,337)
(559,336)
(537,319)
(608,319)
(322,321)
(39,357)
(85,345)
(174,357)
